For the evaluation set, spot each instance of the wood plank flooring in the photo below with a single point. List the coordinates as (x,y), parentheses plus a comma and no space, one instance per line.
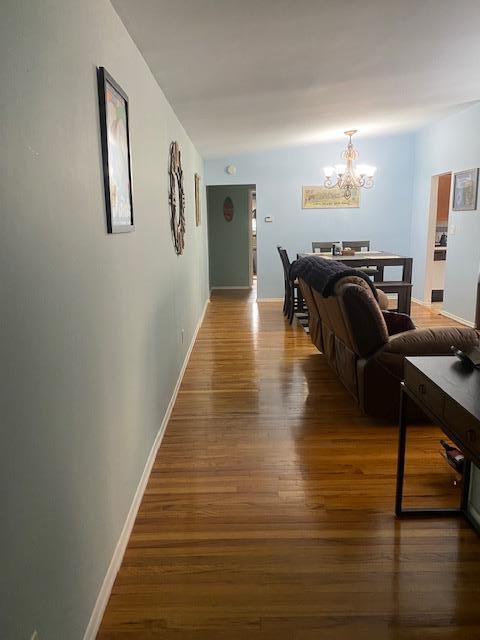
(269,511)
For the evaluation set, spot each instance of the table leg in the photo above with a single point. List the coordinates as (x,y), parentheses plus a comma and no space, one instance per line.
(402,440)
(422,511)
(407,270)
(466,484)
(403,306)
(408,301)
(378,277)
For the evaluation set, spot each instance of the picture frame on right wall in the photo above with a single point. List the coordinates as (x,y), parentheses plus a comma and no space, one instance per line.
(465,189)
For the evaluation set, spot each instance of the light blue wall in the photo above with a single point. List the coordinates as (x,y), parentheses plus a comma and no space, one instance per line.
(383,216)
(450,144)
(91,331)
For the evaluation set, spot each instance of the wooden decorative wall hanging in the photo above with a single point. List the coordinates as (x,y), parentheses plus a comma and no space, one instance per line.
(177,198)
(228,209)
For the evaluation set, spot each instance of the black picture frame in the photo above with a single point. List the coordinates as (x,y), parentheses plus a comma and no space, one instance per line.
(115,223)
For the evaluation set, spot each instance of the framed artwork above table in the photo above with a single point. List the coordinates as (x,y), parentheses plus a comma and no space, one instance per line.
(320,197)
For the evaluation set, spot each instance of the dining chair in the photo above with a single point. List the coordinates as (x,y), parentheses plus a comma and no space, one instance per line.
(293,300)
(364,245)
(356,245)
(323,247)
(285,298)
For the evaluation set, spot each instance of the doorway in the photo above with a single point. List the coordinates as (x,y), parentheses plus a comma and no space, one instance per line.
(437,239)
(230,236)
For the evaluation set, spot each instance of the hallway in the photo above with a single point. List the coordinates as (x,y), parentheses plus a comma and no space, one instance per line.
(269,511)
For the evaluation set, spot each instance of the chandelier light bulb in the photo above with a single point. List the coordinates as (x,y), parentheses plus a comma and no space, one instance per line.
(328,171)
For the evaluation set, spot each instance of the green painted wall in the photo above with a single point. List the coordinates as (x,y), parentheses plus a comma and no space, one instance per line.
(91,342)
(228,241)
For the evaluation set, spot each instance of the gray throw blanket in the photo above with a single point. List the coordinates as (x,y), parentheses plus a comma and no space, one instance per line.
(323,274)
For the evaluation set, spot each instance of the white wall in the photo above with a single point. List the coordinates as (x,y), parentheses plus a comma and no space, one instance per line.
(450,144)
(91,324)
(384,215)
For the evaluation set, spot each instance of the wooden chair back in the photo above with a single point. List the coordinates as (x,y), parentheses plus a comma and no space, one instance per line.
(357,245)
(322,247)
(285,260)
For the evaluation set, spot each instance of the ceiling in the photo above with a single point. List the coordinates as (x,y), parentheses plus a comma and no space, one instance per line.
(244,75)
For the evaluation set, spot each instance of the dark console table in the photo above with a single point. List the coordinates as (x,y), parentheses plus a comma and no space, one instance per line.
(449,394)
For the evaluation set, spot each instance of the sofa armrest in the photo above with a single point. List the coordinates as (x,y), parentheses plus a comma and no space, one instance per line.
(397,322)
(437,341)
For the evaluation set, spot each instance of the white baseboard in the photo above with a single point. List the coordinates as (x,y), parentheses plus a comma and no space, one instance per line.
(422,302)
(269,299)
(451,316)
(106,588)
(215,288)
(457,318)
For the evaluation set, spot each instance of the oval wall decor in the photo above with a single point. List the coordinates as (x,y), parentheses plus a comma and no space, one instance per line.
(228,209)
(177,198)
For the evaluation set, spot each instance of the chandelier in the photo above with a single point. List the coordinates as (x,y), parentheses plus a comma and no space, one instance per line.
(348,177)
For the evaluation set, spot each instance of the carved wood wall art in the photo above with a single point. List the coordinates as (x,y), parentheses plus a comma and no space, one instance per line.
(177,198)
(228,209)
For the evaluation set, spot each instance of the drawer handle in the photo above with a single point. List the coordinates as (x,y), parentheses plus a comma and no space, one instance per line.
(471,435)
(422,389)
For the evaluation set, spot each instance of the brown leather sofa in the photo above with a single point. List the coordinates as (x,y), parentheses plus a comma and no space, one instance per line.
(366,345)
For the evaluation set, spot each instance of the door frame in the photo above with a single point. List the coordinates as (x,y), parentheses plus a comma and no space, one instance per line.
(432,225)
(251,187)
(251,190)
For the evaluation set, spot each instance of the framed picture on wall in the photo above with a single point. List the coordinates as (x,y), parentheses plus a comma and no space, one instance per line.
(197,200)
(319,197)
(115,137)
(465,188)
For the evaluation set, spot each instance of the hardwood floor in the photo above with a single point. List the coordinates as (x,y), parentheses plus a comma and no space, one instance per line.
(269,511)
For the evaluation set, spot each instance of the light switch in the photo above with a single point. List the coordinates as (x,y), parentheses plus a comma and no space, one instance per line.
(452,229)
(268,219)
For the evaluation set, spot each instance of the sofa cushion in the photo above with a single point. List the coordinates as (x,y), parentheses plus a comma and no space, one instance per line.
(363,318)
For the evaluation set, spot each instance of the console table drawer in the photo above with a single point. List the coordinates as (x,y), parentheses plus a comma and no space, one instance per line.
(461,423)
(424,389)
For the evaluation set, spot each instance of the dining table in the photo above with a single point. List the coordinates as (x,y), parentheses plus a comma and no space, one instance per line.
(380,260)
